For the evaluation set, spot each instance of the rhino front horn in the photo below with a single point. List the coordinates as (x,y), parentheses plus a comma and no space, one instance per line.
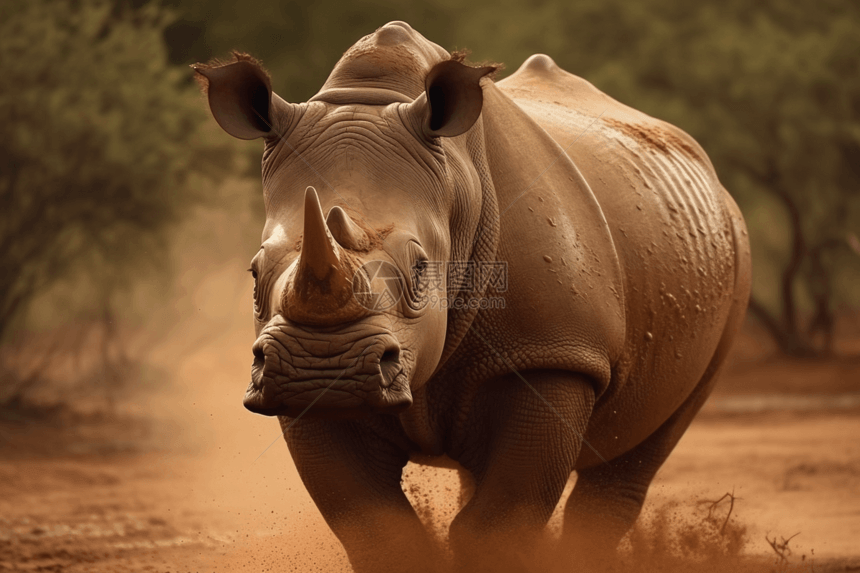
(319,256)
(320,291)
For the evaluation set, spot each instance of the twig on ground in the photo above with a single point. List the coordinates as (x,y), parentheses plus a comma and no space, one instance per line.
(713,506)
(781,548)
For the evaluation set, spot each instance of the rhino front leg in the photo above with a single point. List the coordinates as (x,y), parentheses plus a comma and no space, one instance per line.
(353,475)
(526,431)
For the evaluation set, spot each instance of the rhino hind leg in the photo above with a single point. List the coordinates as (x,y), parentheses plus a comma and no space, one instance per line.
(608,498)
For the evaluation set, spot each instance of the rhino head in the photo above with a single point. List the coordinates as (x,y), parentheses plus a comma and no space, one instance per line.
(367,187)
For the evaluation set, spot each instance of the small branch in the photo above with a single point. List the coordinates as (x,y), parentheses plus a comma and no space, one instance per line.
(770,180)
(770,322)
(798,252)
(781,548)
(853,242)
(713,506)
(819,281)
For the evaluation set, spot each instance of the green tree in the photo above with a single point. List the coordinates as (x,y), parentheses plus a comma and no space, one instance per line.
(98,134)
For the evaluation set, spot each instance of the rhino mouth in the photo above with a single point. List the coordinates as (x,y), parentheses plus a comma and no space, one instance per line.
(342,373)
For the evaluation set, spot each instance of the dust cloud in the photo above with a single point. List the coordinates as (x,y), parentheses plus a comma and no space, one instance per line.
(238,474)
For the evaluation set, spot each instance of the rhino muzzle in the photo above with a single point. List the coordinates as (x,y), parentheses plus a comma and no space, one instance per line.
(326,348)
(346,372)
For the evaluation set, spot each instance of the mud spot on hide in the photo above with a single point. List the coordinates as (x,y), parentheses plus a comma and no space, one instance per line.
(655,137)
(378,236)
(646,136)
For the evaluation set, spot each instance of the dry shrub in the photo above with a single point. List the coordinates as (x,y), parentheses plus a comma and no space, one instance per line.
(88,365)
(697,536)
(704,536)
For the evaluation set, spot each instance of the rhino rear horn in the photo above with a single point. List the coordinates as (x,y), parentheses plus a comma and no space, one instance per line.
(240,97)
(345,231)
(452,98)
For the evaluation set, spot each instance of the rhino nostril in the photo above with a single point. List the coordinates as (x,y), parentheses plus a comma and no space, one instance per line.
(259,356)
(389,366)
(390,356)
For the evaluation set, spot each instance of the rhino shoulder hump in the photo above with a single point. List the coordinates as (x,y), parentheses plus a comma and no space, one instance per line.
(540,79)
(540,63)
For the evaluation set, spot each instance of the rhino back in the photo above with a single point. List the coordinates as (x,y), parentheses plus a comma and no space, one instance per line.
(671,224)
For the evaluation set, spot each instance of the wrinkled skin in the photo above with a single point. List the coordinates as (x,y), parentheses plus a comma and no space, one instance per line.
(628,274)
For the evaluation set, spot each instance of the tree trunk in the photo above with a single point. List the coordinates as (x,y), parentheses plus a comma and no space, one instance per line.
(784,329)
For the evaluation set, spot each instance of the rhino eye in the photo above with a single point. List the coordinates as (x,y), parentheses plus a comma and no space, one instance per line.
(256,291)
(258,303)
(418,271)
(419,267)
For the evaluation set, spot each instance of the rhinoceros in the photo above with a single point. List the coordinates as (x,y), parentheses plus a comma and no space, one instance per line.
(411,189)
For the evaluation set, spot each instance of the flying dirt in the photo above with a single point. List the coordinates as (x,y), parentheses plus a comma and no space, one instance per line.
(520,279)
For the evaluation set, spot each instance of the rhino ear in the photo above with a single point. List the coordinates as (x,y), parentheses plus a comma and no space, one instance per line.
(240,97)
(452,98)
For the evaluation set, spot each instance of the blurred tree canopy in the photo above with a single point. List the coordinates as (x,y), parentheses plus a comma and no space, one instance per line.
(98,136)
(771,90)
